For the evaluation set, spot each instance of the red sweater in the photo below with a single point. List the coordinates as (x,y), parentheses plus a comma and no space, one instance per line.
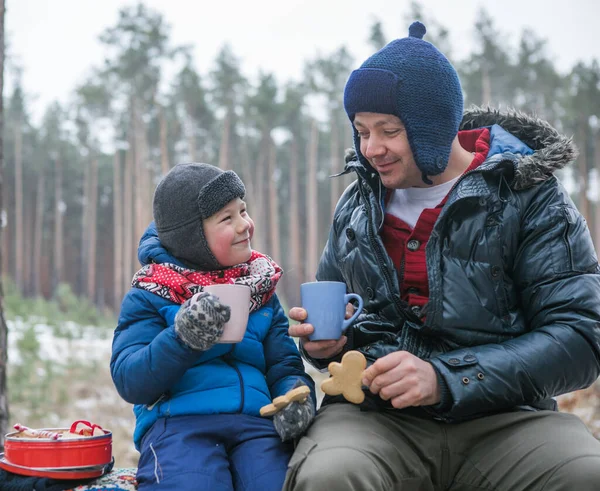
(406,246)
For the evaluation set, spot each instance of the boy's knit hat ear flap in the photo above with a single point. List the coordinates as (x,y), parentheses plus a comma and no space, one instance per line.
(409,78)
(187,195)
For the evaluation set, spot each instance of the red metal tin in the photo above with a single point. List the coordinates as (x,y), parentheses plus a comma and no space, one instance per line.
(70,453)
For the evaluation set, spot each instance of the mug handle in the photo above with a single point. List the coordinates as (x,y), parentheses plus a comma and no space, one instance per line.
(347,298)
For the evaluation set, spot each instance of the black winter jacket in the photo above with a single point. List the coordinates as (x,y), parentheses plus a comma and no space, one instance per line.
(513,317)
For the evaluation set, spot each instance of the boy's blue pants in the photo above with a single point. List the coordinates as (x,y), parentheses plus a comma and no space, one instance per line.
(218,452)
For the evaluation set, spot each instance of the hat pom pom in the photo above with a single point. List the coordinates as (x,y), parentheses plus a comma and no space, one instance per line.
(417,30)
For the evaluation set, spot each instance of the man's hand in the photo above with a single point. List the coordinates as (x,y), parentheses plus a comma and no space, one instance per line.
(316,349)
(404,379)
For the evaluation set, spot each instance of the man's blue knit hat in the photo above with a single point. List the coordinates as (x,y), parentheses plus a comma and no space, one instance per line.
(409,78)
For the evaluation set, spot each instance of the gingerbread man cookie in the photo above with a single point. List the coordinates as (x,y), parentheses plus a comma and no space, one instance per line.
(346,377)
(299,394)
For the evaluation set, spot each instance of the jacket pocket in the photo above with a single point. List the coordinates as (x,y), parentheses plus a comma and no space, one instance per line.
(501,293)
(578,241)
(154,433)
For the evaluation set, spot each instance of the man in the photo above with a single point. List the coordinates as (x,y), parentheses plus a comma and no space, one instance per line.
(481,289)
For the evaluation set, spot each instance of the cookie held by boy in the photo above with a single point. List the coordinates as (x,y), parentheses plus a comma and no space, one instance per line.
(299,394)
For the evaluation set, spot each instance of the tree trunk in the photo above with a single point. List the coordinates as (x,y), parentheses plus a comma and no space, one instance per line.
(252,200)
(312,218)
(19,280)
(107,253)
(7,232)
(246,175)
(334,152)
(118,232)
(190,133)
(93,212)
(486,87)
(3,327)
(83,247)
(224,149)
(275,250)
(138,175)
(57,276)
(261,235)
(38,234)
(294,271)
(596,232)
(142,175)
(128,252)
(28,235)
(164,149)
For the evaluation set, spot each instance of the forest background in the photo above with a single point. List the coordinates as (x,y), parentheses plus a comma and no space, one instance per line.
(79,175)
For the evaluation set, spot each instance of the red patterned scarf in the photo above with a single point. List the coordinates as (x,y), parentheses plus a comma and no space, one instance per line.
(177,284)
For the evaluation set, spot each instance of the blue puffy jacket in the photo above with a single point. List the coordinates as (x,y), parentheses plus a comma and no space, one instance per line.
(163,377)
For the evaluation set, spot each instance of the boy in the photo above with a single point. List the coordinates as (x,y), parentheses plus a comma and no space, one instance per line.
(197,401)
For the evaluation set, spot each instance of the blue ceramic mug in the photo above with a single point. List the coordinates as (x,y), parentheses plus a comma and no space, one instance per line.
(325,303)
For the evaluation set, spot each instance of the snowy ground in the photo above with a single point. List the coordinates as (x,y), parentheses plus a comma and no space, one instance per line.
(77,343)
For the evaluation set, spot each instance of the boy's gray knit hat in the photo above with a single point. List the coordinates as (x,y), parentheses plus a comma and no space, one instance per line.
(186,195)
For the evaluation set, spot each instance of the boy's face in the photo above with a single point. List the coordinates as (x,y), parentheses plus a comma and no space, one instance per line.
(228,233)
(384,143)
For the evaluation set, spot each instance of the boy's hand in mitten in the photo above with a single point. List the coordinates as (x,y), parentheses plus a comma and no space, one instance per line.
(200,320)
(293,420)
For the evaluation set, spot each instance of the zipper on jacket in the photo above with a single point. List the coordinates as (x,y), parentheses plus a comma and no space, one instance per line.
(401,274)
(227,360)
(566,238)
(402,264)
(380,257)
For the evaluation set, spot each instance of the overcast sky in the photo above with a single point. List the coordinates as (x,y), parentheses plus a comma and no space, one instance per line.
(56,41)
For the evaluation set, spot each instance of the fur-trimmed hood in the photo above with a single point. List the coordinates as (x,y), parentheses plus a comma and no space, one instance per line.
(551,150)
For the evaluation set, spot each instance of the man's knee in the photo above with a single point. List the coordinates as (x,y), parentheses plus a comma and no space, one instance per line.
(581,473)
(335,469)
